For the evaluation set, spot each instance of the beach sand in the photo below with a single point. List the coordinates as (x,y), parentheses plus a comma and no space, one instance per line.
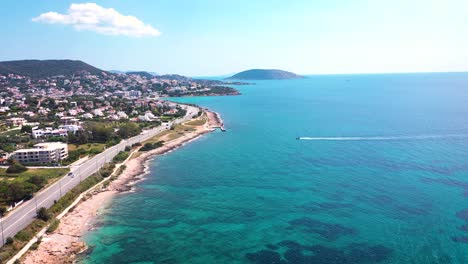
(65,243)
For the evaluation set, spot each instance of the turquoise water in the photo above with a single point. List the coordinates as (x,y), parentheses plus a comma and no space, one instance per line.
(256,194)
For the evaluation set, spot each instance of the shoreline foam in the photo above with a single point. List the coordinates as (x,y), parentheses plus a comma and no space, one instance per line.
(63,245)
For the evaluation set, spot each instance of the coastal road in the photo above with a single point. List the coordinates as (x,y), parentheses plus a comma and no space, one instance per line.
(22,216)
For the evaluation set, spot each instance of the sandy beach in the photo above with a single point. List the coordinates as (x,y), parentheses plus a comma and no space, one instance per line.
(65,243)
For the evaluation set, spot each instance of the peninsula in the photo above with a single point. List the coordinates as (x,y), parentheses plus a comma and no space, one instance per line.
(264,74)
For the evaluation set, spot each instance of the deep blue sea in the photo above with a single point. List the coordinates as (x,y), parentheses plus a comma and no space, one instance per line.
(379,176)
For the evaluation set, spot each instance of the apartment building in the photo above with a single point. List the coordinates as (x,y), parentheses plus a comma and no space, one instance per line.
(47,152)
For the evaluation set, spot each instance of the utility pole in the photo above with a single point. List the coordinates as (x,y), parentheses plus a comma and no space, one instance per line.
(35,201)
(1,224)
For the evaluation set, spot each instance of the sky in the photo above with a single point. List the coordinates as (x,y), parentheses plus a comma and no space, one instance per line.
(215,37)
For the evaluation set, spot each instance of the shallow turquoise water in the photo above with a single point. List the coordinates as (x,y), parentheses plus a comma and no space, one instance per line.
(255,194)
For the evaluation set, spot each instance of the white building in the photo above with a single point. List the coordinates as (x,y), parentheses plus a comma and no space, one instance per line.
(49,132)
(70,128)
(122,115)
(88,116)
(42,153)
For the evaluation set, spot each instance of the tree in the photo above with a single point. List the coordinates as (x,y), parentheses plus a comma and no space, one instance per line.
(16,168)
(43,214)
(37,180)
(8,148)
(16,191)
(80,137)
(26,129)
(100,132)
(128,130)
(3,211)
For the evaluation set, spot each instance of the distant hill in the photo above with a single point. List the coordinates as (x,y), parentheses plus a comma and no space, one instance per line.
(45,68)
(141,73)
(264,74)
(176,77)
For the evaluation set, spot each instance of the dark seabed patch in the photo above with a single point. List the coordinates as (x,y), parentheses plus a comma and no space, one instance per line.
(460,239)
(317,207)
(264,257)
(325,230)
(395,208)
(249,213)
(463,214)
(295,253)
(271,246)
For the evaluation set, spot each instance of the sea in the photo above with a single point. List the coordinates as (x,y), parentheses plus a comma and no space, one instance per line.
(326,169)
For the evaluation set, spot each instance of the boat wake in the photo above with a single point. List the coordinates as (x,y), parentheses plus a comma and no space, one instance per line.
(386,138)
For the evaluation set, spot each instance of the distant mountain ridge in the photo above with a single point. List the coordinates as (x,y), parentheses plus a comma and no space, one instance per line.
(264,74)
(46,68)
(141,73)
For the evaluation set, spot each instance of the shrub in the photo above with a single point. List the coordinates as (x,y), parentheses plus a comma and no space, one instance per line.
(3,211)
(9,241)
(43,214)
(34,246)
(53,226)
(121,156)
(94,151)
(128,148)
(16,168)
(150,146)
(24,235)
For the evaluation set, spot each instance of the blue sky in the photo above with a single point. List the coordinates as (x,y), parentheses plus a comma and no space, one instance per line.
(213,37)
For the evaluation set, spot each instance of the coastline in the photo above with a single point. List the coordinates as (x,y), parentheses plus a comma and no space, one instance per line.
(65,243)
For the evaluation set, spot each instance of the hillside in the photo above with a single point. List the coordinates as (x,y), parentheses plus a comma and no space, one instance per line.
(45,68)
(264,74)
(141,73)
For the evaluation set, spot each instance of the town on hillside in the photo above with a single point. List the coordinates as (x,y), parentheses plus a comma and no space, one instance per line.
(40,117)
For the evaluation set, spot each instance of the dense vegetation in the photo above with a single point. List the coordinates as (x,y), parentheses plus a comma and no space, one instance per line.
(45,68)
(15,187)
(150,146)
(121,156)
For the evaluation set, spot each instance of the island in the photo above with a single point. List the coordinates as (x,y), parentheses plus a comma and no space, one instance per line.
(264,74)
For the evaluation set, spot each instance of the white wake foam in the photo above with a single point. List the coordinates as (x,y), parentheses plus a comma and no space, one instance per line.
(385,138)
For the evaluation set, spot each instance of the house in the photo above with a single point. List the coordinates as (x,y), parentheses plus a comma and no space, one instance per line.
(16,121)
(68,120)
(49,132)
(70,128)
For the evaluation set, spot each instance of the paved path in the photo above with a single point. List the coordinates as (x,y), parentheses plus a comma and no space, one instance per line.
(22,216)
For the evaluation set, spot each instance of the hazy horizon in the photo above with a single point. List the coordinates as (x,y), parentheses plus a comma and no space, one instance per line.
(209,38)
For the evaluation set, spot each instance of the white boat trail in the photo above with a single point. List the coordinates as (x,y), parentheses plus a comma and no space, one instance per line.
(387,138)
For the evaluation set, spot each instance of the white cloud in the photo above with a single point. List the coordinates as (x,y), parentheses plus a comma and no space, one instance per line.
(108,21)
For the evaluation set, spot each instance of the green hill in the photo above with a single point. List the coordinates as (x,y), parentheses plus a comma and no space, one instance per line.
(45,68)
(141,73)
(264,74)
